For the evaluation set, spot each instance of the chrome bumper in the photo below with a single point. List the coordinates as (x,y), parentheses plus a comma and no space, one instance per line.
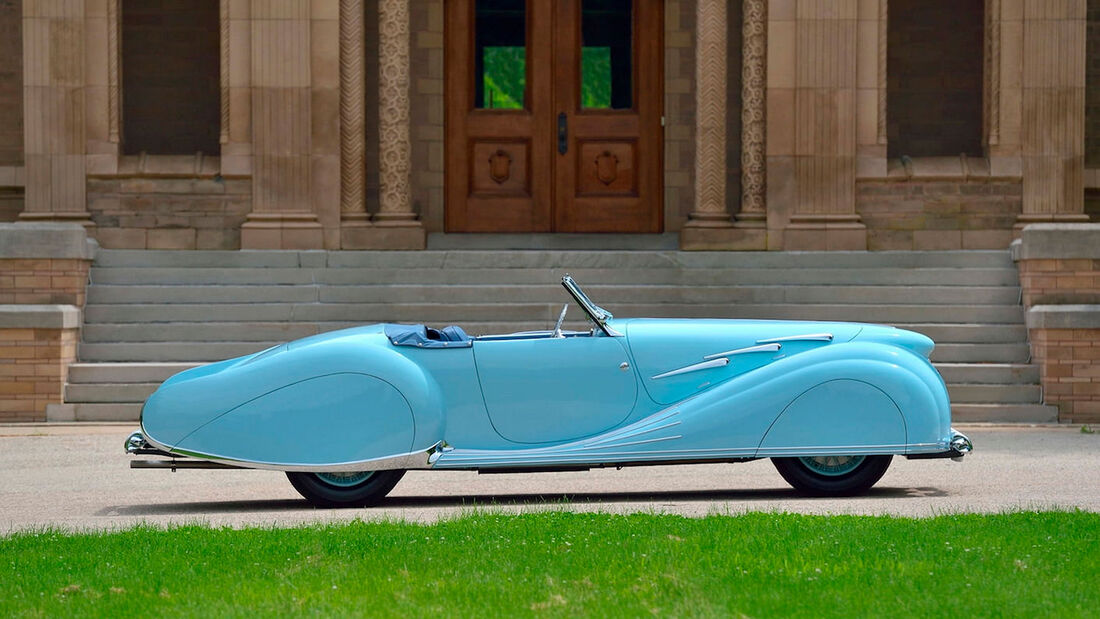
(959,444)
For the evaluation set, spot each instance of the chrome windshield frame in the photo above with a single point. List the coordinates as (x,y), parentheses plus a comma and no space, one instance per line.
(597,314)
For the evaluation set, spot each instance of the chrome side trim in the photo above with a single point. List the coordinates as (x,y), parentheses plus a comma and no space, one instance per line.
(412,460)
(811,337)
(743,351)
(695,367)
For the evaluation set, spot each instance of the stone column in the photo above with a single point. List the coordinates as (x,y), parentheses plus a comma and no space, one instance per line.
(710,225)
(281,216)
(871,90)
(754,71)
(1052,145)
(54,111)
(396,226)
(353,205)
(820,168)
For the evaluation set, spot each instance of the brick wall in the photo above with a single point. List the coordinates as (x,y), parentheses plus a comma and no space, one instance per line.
(33,369)
(1070,371)
(934,214)
(43,281)
(169,213)
(11,83)
(1060,281)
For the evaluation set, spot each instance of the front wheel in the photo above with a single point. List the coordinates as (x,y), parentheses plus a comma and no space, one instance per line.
(350,489)
(833,475)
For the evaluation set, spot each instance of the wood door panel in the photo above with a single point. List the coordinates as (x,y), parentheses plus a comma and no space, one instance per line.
(606,169)
(504,171)
(499,169)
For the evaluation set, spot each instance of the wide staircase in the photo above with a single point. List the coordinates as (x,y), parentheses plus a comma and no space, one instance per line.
(150,314)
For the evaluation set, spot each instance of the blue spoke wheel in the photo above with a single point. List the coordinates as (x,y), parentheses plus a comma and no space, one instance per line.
(344,489)
(832,475)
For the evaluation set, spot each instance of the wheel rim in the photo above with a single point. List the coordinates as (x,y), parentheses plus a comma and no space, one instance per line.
(345,480)
(832,466)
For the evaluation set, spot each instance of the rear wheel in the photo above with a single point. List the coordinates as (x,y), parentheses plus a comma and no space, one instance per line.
(345,489)
(832,475)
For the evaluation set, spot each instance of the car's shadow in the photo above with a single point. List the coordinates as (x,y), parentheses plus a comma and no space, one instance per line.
(657,499)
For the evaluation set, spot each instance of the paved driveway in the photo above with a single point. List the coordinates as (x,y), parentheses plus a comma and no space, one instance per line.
(78,477)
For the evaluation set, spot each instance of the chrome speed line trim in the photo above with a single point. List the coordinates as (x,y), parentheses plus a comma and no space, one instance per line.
(695,367)
(773,347)
(604,441)
(811,337)
(412,460)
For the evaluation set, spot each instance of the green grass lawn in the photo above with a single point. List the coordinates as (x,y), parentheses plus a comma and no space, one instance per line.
(559,563)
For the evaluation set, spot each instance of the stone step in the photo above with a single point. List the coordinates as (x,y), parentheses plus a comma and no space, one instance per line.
(1003,413)
(527,312)
(462,259)
(969,333)
(804,294)
(115,411)
(94,373)
(246,331)
(981,353)
(866,276)
(109,392)
(989,373)
(985,394)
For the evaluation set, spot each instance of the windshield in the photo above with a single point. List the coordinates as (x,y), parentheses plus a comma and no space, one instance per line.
(597,314)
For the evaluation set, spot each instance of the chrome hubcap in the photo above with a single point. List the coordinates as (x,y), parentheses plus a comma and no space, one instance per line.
(344,480)
(832,465)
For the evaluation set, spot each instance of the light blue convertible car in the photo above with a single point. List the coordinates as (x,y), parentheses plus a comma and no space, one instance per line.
(346,413)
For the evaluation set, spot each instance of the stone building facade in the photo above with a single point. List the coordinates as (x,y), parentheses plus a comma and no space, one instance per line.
(771,124)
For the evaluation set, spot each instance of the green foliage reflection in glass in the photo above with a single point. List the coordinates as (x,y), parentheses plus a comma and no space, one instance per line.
(504,77)
(596,77)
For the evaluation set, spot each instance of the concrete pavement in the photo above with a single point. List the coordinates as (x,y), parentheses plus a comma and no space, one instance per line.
(77,477)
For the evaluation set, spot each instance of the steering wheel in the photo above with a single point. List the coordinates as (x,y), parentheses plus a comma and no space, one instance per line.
(561,319)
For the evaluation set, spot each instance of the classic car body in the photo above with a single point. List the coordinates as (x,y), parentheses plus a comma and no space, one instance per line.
(337,409)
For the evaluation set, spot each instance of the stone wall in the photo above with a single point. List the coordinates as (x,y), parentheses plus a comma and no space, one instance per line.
(942,203)
(1069,361)
(680,111)
(426,112)
(169,213)
(170,77)
(11,82)
(1092,86)
(934,77)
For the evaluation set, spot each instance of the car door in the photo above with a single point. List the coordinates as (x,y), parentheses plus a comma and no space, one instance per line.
(545,390)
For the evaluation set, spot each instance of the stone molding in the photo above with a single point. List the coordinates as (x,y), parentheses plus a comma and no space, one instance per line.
(1064,317)
(42,240)
(39,317)
(1059,240)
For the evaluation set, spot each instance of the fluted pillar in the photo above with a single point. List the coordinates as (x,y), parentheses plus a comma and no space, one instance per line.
(282,215)
(1052,145)
(353,206)
(395,225)
(54,111)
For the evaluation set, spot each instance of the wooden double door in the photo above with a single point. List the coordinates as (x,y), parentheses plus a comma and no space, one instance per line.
(553,115)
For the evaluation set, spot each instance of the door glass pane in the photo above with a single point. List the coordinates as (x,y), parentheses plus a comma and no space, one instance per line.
(606,67)
(500,54)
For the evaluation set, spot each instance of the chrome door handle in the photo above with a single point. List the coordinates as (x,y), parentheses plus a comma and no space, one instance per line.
(624,366)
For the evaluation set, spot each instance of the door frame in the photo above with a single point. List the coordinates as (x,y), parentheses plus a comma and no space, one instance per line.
(456,174)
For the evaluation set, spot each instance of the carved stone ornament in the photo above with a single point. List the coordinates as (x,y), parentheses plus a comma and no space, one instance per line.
(500,166)
(607,167)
